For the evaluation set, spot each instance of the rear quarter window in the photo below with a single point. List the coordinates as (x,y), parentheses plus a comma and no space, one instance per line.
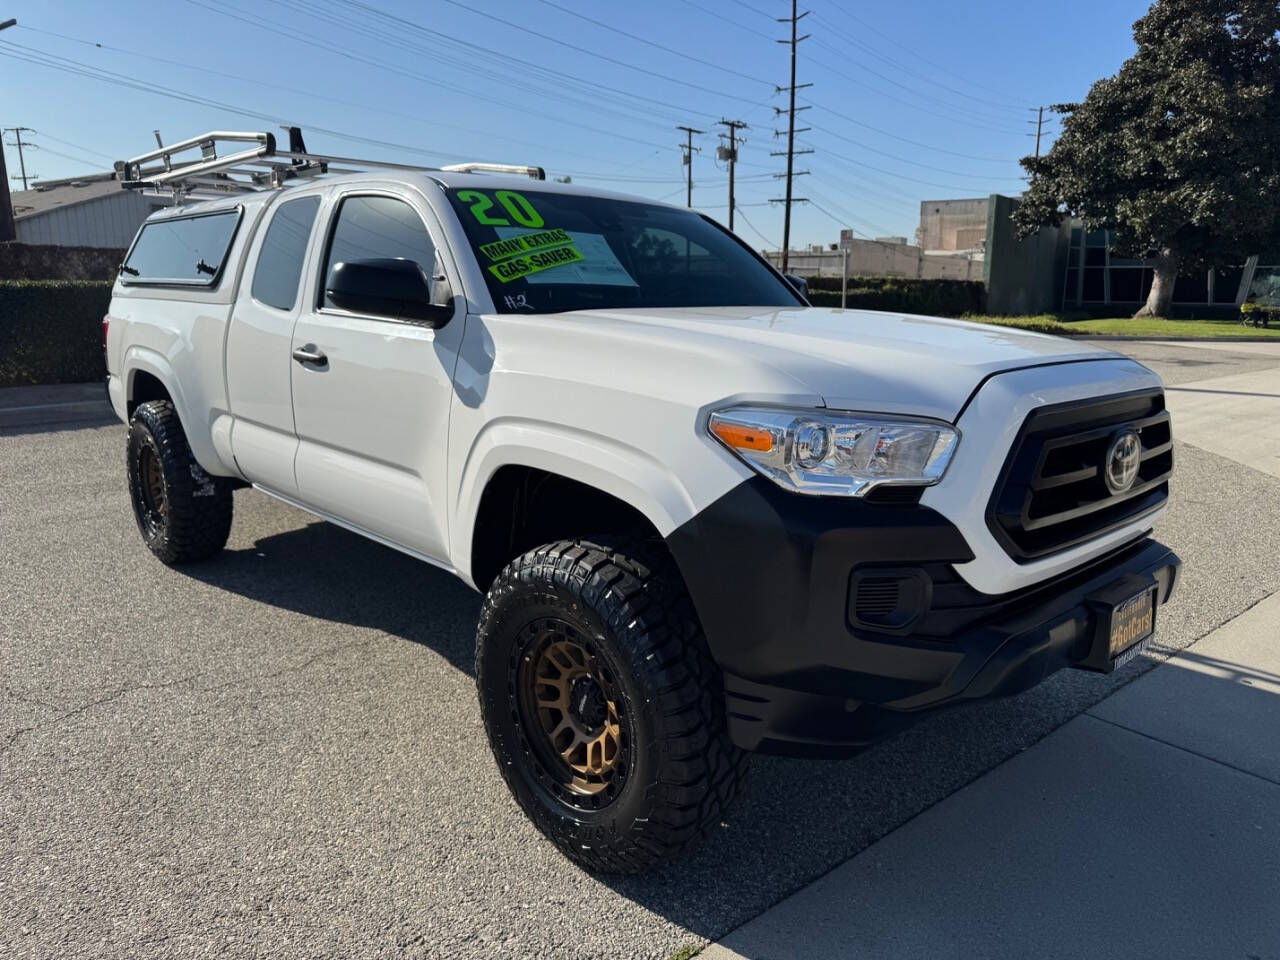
(181,250)
(284,248)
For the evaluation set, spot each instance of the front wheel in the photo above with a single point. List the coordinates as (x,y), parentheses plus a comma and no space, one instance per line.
(602,705)
(183,513)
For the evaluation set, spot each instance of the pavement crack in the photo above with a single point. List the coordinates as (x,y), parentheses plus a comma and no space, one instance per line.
(242,680)
(91,704)
(15,697)
(293,668)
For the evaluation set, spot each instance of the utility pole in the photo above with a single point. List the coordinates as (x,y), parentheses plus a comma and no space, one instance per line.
(730,154)
(8,231)
(1039,130)
(794,20)
(689,150)
(22,163)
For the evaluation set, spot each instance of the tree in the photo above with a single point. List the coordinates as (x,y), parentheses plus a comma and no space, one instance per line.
(1178,154)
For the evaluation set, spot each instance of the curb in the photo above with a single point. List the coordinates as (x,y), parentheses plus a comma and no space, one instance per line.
(1128,336)
(82,404)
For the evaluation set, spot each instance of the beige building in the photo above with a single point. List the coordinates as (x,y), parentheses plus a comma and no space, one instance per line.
(875,258)
(953,225)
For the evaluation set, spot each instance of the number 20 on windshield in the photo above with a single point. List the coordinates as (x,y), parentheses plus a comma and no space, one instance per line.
(515,205)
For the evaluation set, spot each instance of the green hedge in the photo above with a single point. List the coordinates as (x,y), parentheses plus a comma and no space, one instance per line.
(942,298)
(51,331)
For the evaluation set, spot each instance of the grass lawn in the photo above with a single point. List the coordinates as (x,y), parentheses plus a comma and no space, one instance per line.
(1126,326)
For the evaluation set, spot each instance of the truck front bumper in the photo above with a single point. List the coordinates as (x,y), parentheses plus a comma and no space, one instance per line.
(775,576)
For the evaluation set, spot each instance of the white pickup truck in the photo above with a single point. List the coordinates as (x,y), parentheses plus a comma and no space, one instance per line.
(707,518)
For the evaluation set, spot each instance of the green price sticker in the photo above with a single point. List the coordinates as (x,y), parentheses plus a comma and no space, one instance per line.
(514,205)
(529,243)
(524,265)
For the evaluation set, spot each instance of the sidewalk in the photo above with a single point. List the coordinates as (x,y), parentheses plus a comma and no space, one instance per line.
(1147,827)
(1237,417)
(58,405)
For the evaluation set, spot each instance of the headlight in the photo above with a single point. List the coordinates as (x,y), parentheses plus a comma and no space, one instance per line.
(836,454)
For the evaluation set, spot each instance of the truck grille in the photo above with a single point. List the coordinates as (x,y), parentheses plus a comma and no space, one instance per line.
(1052,493)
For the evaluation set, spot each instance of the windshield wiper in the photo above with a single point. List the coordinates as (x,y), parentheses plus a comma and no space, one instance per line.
(203,267)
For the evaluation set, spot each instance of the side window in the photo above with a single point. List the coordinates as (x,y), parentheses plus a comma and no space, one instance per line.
(375,228)
(279,267)
(181,250)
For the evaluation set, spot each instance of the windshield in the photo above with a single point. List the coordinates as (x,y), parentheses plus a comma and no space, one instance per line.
(549,252)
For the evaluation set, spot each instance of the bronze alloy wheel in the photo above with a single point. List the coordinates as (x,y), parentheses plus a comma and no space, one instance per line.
(572,715)
(155,498)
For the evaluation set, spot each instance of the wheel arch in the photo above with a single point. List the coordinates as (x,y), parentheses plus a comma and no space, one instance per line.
(149,376)
(522,507)
(639,491)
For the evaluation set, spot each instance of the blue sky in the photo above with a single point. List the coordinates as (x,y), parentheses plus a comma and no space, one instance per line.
(914,100)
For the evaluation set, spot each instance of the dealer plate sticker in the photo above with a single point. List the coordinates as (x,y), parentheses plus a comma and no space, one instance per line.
(1132,622)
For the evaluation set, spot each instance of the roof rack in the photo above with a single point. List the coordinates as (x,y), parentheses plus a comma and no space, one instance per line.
(260,166)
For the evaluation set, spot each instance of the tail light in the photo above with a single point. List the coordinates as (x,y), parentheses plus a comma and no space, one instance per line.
(106,326)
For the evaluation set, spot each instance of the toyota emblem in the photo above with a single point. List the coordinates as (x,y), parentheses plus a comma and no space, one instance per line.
(1124,456)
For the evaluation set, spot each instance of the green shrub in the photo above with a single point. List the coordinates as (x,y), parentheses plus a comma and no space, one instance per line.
(51,331)
(1253,314)
(942,298)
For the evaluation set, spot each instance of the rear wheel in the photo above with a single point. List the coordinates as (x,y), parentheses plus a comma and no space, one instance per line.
(602,705)
(183,513)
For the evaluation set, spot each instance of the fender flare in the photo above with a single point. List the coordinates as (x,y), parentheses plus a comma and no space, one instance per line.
(604,463)
(143,359)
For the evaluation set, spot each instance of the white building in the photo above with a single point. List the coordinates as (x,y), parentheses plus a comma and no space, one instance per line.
(89,211)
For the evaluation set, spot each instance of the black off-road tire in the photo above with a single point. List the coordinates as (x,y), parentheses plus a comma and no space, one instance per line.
(677,771)
(193,519)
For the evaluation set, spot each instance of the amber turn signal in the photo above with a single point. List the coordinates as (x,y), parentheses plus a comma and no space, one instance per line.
(739,437)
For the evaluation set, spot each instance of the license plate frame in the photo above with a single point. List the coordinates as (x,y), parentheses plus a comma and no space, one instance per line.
(1125,617)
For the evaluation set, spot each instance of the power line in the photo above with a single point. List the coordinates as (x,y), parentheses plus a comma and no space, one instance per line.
(64,156)
(417,118)
(915,54)
(501,61)
(907,140)
(73,146)
(556,40)
(79,69)
(653,43)
(435,82)
(751,227)
(763,13)
(915,163)
(962,117)
(729,20)
(933,98)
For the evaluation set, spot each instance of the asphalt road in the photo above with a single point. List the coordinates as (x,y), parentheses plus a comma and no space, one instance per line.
(279,753)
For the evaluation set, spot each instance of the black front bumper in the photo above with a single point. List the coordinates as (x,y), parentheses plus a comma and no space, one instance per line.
(770,574)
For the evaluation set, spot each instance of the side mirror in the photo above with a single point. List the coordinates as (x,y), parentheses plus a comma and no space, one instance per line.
(799,284)
(386,288)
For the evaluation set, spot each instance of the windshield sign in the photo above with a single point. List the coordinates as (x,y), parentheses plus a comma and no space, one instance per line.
(548,252)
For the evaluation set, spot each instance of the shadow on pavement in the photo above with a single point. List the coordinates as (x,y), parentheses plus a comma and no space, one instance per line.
(797,819)
(321,570)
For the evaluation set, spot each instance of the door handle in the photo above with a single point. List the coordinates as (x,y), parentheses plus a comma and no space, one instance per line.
(310,354)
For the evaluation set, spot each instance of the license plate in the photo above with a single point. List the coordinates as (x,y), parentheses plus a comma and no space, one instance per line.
(1132,622)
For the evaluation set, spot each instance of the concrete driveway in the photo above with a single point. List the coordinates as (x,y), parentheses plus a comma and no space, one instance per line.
(280,753)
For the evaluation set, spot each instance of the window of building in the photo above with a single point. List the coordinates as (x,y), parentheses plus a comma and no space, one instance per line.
(279,267)
(181,250)
(1095,276)
(1226,284)
(376,228)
